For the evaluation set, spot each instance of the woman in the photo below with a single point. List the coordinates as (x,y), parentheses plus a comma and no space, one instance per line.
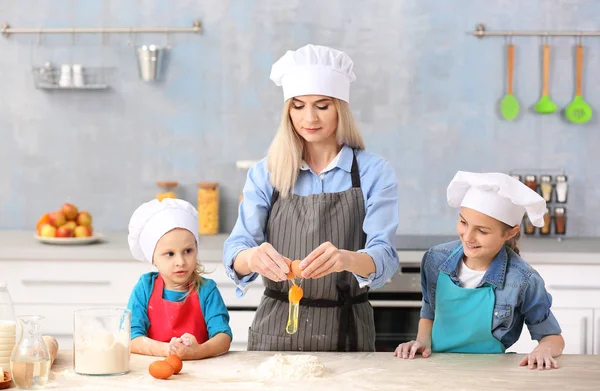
(320,198)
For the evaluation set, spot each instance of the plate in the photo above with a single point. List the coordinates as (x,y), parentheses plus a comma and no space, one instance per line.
(87,240)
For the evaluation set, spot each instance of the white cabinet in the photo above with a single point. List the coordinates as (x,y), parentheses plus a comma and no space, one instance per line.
(577,330)
(596,338)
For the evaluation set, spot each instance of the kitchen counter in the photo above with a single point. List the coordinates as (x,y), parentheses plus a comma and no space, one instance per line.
(16,245)
(347,371)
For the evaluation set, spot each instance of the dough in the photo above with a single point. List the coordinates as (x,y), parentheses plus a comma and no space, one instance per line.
(284,367)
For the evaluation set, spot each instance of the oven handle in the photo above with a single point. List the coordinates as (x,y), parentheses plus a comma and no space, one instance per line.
(396,303)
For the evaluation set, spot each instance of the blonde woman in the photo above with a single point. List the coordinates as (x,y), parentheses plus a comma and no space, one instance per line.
(318,197)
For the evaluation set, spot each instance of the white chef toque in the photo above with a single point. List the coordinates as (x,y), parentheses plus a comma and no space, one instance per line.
(497,195)
(153,219)
(314,70)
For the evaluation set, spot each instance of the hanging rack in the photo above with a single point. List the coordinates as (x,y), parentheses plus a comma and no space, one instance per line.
(7,30)
(480,32)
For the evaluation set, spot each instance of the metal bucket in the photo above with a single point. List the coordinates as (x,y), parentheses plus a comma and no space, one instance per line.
(149,62)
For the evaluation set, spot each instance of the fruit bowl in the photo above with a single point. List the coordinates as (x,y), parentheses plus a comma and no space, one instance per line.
(85,240)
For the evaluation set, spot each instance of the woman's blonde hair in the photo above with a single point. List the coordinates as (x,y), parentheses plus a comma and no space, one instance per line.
(287,148)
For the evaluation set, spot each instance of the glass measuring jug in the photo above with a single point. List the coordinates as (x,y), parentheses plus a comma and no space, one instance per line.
(30,359)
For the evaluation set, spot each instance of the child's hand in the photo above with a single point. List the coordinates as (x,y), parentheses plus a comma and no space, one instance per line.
(184,347)
(409,349)
(542,356)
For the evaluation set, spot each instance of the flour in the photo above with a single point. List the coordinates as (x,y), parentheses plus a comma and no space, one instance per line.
(102,354)
(280,367)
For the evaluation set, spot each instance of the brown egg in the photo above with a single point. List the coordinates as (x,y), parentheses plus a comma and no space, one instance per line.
(160,369)
(296,268)
(175,362)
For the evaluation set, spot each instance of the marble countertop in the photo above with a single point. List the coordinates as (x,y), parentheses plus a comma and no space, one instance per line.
(18,245)
(346,371)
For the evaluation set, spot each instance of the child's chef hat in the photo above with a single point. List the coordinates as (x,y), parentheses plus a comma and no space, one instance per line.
(314,70)
(153,219)
(497,195)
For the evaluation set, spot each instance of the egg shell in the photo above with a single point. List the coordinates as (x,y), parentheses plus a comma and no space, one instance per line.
(160,369)
(175,362)
(296,268)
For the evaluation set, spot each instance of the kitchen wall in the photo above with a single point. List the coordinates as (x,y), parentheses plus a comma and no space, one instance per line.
(426,98)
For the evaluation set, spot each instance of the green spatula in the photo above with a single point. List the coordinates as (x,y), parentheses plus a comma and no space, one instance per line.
(578,111)
(509,106)
(545,104)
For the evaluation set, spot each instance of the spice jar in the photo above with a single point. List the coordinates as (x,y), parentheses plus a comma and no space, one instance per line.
(517,177)
(208,208)
(545,230)
(546,187)
(560,220)
(529,227)
(531,182)
(561,188)
(166,190)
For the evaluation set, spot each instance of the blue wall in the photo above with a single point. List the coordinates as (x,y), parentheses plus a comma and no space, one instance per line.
(426,98)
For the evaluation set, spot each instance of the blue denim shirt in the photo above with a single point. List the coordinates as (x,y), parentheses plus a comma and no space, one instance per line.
(521,296)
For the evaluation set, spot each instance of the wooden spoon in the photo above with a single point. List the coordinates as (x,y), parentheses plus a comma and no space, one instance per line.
(509,107)
(545,104)
(578,111)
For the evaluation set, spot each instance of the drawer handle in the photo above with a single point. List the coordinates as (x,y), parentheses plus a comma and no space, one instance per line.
(64,282)
(573,287)
(396,303)
(584,337)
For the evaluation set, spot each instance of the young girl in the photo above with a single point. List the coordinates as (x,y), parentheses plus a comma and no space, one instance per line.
(478,291)
(174,311)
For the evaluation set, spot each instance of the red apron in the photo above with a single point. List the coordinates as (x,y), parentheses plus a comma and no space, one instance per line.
(170,319)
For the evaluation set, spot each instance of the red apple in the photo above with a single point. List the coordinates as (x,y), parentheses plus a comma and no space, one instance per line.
(83,231)
(57,218)
(43,220)
(70,225)
(64,232)
(47,231)
(84,218)
(70,211)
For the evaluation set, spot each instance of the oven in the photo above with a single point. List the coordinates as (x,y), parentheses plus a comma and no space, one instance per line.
(397,308)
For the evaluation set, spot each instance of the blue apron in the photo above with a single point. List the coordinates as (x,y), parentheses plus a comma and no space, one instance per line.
(463,318)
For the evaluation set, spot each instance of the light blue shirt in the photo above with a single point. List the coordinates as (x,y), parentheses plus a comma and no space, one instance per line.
(380,190)
(213,308)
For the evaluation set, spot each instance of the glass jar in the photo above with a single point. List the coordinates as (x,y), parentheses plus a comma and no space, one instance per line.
(166,190)
(560,220)
(531,182)
(208,208)
(561,188)
(546,187)
(529,227)
(30,359)
(545,230)
(8,328)
(101,341)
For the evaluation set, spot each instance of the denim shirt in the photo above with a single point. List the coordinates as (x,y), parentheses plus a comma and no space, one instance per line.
(521,296)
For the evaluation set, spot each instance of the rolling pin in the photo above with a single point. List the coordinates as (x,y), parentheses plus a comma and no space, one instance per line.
(52,344)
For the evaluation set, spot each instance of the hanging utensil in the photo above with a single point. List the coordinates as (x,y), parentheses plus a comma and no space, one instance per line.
(578,111)
(545,104)
(509,107)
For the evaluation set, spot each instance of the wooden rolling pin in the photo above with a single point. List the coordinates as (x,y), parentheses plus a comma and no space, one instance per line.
(52,344)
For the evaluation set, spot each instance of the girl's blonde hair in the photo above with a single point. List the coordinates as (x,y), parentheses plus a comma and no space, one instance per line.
(287,148)
(196,279)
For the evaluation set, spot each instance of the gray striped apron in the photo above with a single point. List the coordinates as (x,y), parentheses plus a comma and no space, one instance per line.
(335,314)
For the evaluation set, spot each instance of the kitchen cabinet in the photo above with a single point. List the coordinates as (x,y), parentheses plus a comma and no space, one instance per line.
(596,337)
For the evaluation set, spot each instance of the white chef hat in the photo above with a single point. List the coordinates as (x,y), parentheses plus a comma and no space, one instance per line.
(314,70)
(497,195)
(153,219)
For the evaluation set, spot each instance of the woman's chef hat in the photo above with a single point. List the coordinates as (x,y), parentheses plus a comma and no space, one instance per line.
(153,219)
(314,70)
(497,195)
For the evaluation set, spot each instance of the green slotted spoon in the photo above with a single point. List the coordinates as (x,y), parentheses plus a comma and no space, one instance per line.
(545,104)
(509,106)
(578,111)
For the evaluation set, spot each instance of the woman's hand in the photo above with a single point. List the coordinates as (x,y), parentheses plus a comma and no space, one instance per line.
(266,261)
(323,260)
(409,349)
(542,356)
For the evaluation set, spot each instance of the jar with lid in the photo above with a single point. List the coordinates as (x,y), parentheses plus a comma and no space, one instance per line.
(208,208)
(529,227)
(545,230)
(166,189)
(517,177)
(531,182)
(561,189)
(8,328)
(546,187)
(560,220)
